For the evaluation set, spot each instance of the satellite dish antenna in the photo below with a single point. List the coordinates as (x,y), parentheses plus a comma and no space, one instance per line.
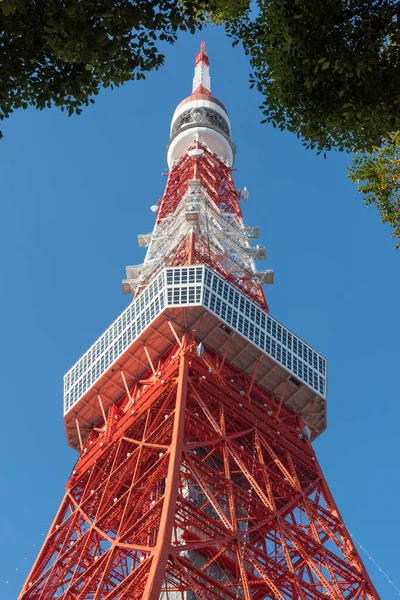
(195,152)
(155,208)
(244,194)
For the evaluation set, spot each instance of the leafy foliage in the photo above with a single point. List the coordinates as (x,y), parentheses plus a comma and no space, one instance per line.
(328,70)
(60,52)
(378,176)
(219,11)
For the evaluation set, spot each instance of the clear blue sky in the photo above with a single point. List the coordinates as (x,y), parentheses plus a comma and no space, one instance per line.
(75,192)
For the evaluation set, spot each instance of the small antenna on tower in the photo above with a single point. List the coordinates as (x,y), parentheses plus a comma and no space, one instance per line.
(244,194)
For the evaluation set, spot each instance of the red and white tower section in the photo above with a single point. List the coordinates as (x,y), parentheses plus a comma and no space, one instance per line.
(194,416)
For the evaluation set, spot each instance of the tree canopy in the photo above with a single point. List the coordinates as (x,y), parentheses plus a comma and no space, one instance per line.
(328,70)
(378,176)
(61,52)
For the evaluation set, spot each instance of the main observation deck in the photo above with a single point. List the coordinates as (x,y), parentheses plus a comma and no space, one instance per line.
(183,296)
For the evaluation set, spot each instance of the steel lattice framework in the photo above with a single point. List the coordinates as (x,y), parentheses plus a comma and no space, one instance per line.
(200,489)
(194,416)
(200,191)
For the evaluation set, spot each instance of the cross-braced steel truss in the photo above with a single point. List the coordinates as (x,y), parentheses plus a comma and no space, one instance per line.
(199,485)
(200,220)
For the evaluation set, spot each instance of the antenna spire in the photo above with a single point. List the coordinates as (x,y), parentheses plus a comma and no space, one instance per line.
(201,79)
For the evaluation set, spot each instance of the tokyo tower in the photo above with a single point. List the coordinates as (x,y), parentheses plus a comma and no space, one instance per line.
(194,416)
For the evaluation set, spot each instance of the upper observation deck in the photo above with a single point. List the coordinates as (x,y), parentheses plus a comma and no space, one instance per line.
(194,298)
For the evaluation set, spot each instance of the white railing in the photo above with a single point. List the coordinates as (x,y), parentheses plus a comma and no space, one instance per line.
(265,332)
(163,291)
(188,286)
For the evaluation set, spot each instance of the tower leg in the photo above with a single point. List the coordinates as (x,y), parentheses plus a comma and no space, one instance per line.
(203,488)
(163,548)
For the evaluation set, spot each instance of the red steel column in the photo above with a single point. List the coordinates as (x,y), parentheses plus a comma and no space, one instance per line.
(163,546)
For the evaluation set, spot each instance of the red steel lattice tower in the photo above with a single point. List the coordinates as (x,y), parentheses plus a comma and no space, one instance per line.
(194,415)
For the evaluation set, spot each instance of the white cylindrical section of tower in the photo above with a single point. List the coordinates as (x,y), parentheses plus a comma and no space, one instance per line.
(196,127)
(211,138)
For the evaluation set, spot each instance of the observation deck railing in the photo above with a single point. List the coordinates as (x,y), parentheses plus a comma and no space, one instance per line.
(196,285)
